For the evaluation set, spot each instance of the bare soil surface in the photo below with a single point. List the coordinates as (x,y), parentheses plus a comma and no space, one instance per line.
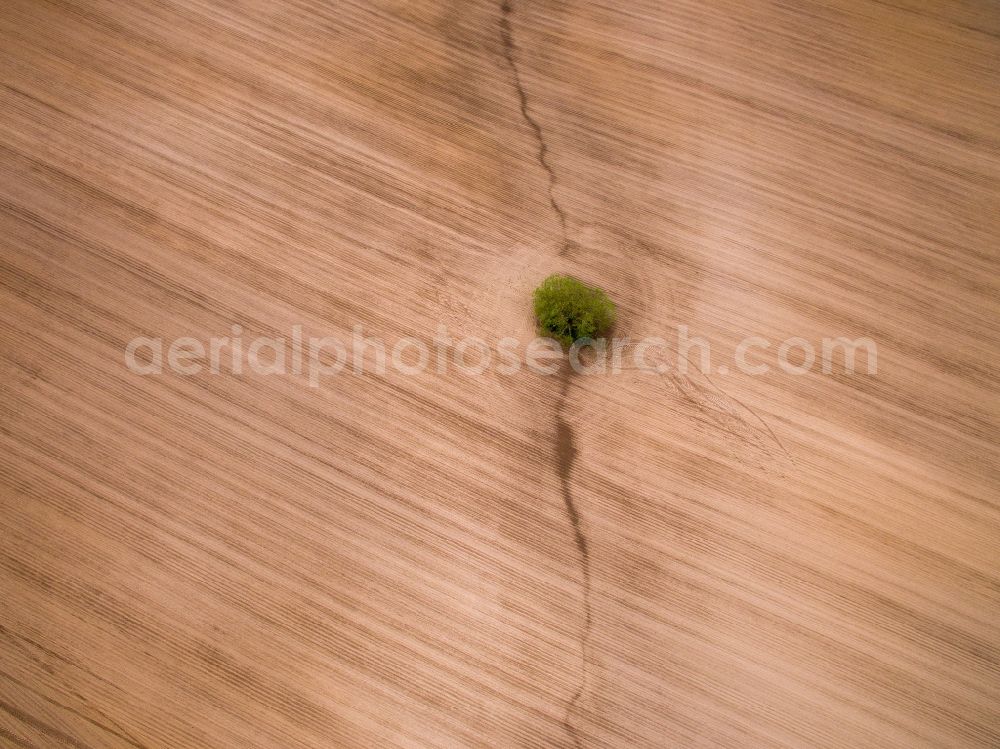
(460,560)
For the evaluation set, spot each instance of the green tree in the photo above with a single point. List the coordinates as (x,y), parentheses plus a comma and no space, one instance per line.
(568,309)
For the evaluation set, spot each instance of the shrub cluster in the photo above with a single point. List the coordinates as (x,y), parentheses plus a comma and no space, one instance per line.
(568,309)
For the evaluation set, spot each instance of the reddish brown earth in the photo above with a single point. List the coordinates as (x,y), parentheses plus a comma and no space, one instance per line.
(448,560)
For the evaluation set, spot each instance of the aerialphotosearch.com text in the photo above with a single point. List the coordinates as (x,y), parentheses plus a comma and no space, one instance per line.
(317,358)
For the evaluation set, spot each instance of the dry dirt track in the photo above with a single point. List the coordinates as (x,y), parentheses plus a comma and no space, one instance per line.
(460,561)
